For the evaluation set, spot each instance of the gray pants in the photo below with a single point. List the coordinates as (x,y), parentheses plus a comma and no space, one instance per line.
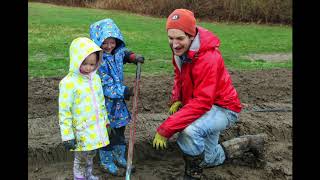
(83,165)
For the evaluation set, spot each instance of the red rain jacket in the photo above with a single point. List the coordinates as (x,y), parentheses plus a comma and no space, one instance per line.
(199,84)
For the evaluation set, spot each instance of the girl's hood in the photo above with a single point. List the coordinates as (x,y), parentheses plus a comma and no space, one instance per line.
(80,48)
(103,29)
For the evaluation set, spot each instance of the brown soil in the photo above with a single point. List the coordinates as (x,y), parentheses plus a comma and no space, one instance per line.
(258,90)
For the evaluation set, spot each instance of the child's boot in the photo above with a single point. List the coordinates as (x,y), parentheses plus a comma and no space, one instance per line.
(89,175)
(107,164)
(92,177)
(79,177)
(119,152)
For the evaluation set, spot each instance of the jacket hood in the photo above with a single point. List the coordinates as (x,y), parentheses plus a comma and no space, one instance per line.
(103,29)
(203,41)
(80,48)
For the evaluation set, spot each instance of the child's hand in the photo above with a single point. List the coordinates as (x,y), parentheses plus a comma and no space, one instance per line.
(139,58)
(128,92)
(70,144)
(131,57)
(109,129)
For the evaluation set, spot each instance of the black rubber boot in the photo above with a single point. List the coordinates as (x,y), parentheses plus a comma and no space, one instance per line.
(192,169)
(236,147)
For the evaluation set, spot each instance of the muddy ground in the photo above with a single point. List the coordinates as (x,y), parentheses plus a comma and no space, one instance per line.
(267,99)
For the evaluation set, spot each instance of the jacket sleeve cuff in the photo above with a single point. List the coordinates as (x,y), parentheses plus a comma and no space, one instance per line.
(129,56)
(164,132)
(67,138)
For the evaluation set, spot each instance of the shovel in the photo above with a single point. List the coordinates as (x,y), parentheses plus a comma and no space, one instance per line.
(133,123)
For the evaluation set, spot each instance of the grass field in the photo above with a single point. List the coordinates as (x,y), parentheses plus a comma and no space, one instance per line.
(51,29)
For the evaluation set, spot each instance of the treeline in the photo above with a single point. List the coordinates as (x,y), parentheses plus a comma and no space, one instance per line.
(257,11)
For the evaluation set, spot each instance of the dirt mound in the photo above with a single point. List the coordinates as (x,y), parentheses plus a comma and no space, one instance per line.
(267,90)
(254,87)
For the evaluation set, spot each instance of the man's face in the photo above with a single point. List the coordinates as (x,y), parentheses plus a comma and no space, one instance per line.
(179,41)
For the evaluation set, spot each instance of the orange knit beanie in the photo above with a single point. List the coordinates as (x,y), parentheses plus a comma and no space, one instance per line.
(182,19)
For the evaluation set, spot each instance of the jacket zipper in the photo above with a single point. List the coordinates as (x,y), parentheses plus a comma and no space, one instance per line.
(96,109)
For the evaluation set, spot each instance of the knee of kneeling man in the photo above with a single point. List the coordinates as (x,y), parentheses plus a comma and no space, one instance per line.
(189,131)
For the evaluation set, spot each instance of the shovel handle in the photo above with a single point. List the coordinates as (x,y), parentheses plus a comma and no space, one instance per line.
(138,71)
(132,124)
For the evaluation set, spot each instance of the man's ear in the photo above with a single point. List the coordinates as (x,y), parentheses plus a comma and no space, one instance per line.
(191,38)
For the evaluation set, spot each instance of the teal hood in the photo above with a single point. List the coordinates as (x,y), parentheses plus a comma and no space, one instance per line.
(103,29)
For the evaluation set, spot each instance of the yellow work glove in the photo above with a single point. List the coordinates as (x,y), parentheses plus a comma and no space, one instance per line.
(159,142)
(175,107)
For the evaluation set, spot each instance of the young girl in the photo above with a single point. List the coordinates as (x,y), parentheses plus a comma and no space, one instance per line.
(82,112)
(107,35)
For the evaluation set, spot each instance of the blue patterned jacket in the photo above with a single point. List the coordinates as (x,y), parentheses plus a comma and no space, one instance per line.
(111,71)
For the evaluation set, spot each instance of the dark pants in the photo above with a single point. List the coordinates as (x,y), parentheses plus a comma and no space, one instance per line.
(116,137)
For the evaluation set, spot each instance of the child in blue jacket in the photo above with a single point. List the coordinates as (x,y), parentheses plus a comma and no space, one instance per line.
(107,35)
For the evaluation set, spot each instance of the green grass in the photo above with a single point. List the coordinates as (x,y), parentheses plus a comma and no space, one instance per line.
(51,29)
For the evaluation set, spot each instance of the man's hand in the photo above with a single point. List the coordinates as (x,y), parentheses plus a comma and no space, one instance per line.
(159,142)
(175,107)
(70,144)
